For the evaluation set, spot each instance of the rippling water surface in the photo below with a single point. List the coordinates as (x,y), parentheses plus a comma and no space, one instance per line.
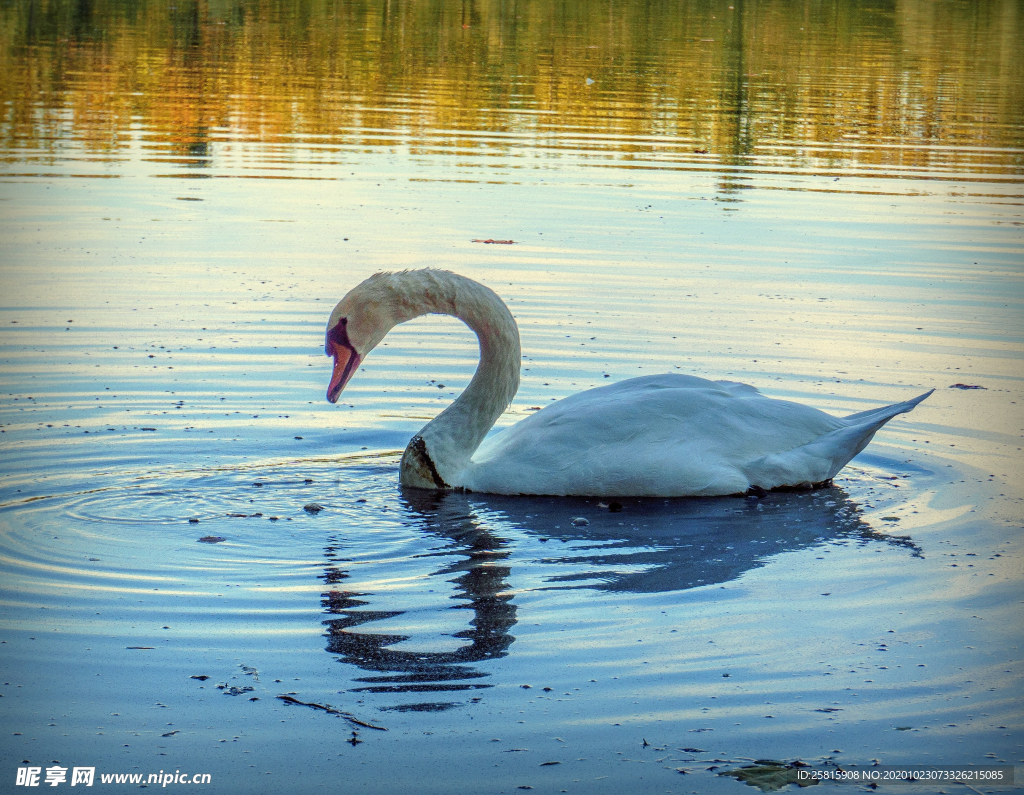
(819,199)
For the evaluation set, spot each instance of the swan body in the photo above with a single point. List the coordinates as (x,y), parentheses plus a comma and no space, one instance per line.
(662,435)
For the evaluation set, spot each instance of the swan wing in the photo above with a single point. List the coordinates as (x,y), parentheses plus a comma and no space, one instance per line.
(670,435)
(667,435)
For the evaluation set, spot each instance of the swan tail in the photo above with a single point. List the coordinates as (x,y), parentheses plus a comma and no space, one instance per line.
(822,458)
(885,413)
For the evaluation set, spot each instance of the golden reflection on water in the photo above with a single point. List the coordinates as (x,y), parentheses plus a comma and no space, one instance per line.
(911,84)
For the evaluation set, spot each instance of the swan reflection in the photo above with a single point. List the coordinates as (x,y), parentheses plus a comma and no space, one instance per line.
(649,546)
(480,574)
(656,545)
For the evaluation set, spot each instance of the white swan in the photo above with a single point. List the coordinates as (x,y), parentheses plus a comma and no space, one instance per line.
(661,435)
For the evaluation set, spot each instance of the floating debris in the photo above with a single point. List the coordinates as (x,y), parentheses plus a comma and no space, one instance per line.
(769,775)
(234,691)
(951,386)
(201,678)
(331,710)
(312,508)
(581,521)
(490,240)
(211,539)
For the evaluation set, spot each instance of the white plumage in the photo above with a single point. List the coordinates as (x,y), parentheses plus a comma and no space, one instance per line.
(663,435)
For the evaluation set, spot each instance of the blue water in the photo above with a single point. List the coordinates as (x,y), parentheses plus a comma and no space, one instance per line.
(161,361)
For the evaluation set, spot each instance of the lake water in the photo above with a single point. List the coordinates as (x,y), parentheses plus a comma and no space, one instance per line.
(823,200)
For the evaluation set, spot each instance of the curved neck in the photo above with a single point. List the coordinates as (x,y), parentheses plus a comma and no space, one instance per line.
(443,448)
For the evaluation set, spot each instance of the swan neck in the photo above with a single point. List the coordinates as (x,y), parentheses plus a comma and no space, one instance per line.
(444,447)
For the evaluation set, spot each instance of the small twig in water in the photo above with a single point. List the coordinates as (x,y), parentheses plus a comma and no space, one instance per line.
(329,709)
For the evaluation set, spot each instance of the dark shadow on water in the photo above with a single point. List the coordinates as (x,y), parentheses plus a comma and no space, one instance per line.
(647,546)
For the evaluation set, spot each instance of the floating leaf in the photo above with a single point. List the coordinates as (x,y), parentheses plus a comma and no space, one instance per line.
(770,777)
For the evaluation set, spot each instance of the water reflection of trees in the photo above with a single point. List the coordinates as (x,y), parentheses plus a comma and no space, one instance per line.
(651,545)
(728,79)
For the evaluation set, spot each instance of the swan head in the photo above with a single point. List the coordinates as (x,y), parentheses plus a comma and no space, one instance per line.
(376,305)
(357,325)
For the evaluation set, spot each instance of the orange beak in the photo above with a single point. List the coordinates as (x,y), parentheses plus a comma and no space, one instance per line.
(346,361)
